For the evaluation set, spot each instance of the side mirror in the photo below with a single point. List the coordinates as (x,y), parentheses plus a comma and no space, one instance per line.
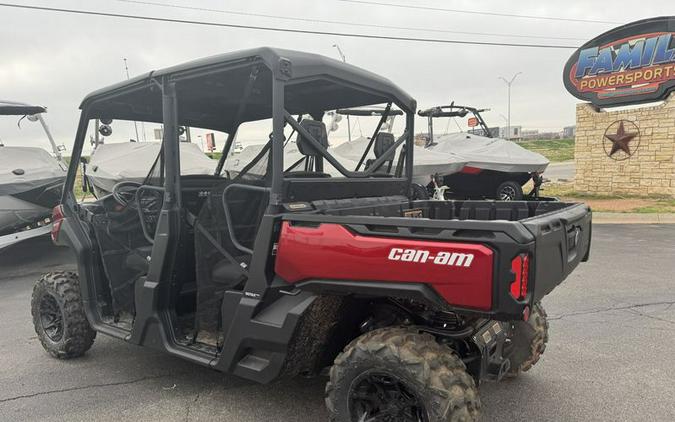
(32,118)
(105,130)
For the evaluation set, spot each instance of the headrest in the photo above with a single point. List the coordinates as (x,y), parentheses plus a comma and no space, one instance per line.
(383,141)
(318,130)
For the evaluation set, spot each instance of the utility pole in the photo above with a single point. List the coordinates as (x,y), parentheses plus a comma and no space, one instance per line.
(349,125)
(508,83)
(126,68)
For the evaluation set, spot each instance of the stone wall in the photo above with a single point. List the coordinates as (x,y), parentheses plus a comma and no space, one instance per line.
(651,168)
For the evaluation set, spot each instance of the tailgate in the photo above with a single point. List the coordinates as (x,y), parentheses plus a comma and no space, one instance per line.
(562,241)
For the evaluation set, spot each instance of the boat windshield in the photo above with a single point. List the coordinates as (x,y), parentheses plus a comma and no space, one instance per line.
(23,131)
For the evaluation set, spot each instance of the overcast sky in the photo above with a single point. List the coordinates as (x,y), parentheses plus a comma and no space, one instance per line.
(54,59)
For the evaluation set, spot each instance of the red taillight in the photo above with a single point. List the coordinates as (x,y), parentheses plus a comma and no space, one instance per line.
(57,219)
(471,170)
(520,266)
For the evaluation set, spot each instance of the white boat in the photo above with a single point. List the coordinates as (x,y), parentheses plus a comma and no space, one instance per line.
(132,161)
(471,165)
(426,162)
(492,167)
(31,179)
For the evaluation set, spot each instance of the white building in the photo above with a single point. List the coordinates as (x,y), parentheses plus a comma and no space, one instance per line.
(516,132)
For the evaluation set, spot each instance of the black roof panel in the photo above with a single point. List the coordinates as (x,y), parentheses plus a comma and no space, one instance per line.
(304,66)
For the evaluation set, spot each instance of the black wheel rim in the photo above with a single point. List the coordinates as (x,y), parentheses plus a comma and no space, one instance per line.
(381,397)
(507,193)
(51,318)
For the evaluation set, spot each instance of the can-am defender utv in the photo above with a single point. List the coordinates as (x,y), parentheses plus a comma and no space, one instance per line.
(280,270)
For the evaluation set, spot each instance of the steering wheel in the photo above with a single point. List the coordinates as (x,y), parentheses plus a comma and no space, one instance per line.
(124,193)
(149,200)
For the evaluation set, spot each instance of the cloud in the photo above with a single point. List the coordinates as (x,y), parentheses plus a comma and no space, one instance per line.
(56,59)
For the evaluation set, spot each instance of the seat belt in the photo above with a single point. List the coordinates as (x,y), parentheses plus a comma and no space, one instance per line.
(192,221)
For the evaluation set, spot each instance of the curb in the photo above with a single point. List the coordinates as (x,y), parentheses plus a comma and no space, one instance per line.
(632,218)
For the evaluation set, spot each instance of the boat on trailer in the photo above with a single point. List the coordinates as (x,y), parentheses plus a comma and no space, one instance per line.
(468,165)
(492,167)
(31,179)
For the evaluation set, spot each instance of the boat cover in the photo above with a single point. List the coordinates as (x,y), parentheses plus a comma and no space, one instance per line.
(489,153)
(112,163)
(26,168)
(449,155)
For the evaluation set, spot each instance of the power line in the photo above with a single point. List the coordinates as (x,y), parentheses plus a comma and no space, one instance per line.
(477,12)
(274,29)
(367,25)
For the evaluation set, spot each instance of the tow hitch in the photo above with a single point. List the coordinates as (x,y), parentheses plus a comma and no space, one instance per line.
(490,339)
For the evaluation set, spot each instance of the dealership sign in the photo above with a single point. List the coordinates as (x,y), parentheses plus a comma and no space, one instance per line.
(631,64)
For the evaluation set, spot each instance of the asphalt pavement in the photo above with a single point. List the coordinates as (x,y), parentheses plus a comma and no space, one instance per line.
(563,171)
(609,357)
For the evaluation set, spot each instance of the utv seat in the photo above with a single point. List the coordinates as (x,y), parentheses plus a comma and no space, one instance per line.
(138,259)
(313,159)
(216,273)
(227,273)
(383,141)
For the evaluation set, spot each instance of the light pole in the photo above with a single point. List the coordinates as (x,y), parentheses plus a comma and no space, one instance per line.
(126,68)
(508,83)
(349,125)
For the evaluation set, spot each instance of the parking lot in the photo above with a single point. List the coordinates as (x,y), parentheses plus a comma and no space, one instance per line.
(609,357)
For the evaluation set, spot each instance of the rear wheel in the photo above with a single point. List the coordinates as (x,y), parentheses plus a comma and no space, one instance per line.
(527,342)
(510,191)
(398,374)
(58,315)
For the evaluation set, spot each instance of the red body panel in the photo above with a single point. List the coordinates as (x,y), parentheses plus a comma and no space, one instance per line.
(460,272)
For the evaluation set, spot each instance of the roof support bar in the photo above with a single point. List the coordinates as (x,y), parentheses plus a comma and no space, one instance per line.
(278,117)
(237,119)
(355,174)
(385,114)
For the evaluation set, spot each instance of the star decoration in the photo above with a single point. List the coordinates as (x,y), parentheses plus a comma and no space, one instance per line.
(620,140)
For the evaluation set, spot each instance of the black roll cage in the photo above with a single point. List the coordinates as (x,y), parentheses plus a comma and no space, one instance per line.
(166,84)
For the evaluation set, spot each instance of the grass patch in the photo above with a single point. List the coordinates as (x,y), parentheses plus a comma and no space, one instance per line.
(660,207)
(555,150)
(77,187)
(653,204)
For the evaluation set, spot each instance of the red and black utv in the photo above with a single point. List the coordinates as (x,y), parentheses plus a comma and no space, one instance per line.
(270,272)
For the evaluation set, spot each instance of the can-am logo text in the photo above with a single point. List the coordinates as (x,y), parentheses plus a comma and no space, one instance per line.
(421,256)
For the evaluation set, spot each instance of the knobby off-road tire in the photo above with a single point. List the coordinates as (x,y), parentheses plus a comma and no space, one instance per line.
(528,341)
(428,372)
(58,315)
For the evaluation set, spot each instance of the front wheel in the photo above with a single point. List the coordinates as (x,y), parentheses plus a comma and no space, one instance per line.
(58,315)
(399,374)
